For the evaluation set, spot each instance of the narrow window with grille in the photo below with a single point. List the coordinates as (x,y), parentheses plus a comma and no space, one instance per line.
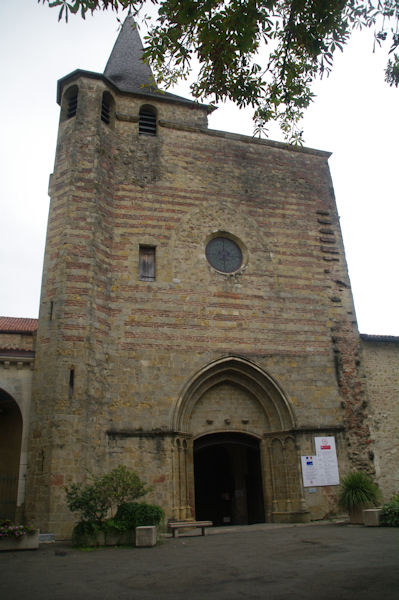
(147,121)
(69,103)
(147,263)
(72,102)
(72,105)
(107,108)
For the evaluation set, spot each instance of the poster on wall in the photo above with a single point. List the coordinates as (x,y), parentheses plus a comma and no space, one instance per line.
(327,454)
(313,475)
(322,468)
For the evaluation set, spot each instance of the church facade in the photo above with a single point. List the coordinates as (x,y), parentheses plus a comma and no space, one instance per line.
(196,320)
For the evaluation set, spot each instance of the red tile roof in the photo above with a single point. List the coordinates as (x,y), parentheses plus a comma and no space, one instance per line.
(17,325)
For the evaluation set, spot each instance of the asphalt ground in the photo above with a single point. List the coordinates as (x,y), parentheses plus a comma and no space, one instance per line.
(268,562)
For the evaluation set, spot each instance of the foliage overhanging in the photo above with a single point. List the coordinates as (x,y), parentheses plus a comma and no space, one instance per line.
(259,53)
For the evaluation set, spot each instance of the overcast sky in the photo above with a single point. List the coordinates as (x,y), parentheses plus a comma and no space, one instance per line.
(355,116)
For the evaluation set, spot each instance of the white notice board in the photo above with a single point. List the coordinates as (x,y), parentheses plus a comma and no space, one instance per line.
(326,452)
(312,474)
(321,469)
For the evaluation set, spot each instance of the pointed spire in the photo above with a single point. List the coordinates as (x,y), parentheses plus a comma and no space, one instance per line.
(127,71)
(125,67)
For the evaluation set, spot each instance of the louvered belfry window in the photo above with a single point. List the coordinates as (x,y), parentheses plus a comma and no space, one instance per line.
(72,103)
(147,121)
(105,109)
(147,263)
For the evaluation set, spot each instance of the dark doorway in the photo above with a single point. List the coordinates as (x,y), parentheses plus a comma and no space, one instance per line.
(10,451)
(228,480)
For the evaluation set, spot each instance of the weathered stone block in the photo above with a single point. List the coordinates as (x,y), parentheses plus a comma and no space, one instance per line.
(371,517)
(146,536)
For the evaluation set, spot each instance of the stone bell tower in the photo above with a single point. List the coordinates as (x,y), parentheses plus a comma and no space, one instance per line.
(196,320)
(107,140)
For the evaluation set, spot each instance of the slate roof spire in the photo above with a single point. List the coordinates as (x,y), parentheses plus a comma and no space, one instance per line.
(125,67)
(126,70)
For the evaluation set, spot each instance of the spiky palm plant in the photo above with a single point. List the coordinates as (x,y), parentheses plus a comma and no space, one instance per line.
(358,491)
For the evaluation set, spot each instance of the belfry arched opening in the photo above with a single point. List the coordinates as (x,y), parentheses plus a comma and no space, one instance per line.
(228,479)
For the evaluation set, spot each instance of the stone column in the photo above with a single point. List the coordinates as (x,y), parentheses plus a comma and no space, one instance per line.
(301,492)
(267,482)
(182,509)
(288,500)
(175,478)
(190,481)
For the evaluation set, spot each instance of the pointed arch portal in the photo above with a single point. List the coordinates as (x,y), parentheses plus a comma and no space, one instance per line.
(236,458)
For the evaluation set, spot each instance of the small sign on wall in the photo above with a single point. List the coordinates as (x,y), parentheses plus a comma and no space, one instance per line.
(322,468)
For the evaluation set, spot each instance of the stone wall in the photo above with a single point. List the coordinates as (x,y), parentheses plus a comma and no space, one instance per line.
(16,341)
(381,360)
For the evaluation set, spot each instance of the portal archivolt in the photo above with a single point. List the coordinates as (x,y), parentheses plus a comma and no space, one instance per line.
(234,396)
(248,380)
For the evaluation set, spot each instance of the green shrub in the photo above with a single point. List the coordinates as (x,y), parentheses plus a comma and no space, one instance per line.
(358,491)
(85,528)
(136,514)
(89,500)
(100,498)
(148,514)
(390,513)
(126,513)
(114,525)
(121,486)
(84,533)
(105,506)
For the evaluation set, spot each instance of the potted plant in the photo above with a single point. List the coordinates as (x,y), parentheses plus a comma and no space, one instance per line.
(358,491)
(18,537)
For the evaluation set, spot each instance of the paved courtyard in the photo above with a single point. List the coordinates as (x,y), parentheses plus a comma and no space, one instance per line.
(322,562)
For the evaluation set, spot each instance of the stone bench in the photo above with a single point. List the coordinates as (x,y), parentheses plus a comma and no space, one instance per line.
(174,526)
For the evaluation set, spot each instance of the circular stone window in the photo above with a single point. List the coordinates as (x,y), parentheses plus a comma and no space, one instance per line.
(223,254)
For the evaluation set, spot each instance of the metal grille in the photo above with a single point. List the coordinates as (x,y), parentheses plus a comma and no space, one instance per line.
(72,105)
(105,111)
(147,122)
